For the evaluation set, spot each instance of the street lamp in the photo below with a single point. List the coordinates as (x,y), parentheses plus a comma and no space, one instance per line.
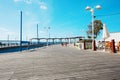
(20,30)
(37,35)
(37,32)
(92,13)
(48,28)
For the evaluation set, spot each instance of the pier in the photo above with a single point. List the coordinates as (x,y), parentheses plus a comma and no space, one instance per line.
(67,39)
(16,45)
(58,62)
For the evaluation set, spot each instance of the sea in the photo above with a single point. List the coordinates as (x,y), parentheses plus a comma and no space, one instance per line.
(14,46)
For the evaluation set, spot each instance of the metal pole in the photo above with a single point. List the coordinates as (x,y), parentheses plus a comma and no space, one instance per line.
(37,35)
(93,42)
(20,30)
(37,31)
(8,40)
(48,35)
(47,38)
(92,24)
(48,31)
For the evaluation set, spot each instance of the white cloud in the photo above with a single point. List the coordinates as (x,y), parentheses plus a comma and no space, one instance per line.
(25,1)
(17,0)
(43,7)
(28,1)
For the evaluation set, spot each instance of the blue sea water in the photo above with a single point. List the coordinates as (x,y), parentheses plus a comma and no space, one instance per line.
(16,49)
(27,47)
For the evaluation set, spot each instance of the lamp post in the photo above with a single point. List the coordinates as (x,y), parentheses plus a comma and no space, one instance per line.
(37,35)
(8,39)
(20,30)
(37,32)
(48,28)
(92,13)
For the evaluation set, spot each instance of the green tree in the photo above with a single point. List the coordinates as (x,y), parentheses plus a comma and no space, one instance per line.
(98,26)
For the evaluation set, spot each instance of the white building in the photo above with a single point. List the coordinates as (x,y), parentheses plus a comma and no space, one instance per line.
(115,36)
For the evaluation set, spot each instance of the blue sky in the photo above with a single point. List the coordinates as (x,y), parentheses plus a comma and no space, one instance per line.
(65,18)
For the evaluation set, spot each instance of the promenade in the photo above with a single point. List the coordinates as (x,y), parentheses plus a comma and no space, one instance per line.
(59,63)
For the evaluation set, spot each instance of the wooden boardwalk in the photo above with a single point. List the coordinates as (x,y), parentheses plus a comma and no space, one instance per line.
(59,63)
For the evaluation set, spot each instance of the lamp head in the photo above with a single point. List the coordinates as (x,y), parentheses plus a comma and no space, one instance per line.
(98,7)
(88,8)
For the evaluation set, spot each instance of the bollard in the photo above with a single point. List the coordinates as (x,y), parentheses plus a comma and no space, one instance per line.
(113,46)
(93,46)
(84,46)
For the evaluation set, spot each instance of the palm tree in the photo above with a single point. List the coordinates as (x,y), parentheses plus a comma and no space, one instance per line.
(98,26)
